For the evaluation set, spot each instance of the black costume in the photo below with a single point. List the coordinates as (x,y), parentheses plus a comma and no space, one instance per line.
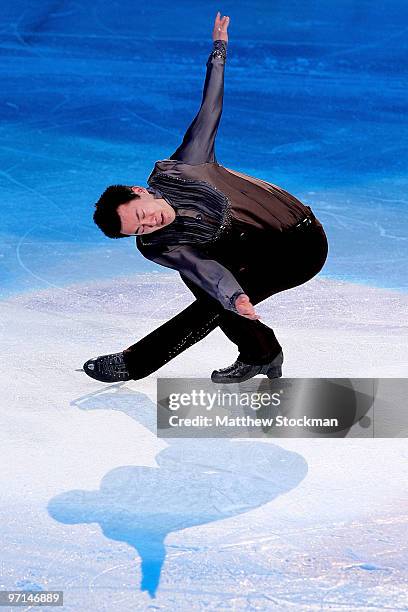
(232,234)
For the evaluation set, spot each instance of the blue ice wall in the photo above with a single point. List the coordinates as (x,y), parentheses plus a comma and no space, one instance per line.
(93,93)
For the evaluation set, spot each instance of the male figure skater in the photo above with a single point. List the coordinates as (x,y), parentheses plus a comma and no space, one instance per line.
(234,239)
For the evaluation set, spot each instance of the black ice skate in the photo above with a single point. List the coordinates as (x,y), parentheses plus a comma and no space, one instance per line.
(240,371)
(107,368)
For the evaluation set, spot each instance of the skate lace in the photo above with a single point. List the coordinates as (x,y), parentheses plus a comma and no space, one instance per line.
(237,363)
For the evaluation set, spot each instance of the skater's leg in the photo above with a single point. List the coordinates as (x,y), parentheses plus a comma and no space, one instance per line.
(256,342)
(170,339)
(270,267)
(299,258)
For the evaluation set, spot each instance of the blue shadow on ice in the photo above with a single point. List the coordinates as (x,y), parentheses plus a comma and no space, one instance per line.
(195,482)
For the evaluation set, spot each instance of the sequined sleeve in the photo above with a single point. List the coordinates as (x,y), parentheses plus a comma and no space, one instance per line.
(199,140)
(209,274)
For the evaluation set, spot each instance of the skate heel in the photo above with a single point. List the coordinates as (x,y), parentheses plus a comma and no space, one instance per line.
(274,368)
(274,372)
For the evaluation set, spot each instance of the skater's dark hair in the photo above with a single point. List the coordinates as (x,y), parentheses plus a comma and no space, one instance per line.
(105,214)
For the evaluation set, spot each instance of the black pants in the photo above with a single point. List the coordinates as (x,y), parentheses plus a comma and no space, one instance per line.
(263,264)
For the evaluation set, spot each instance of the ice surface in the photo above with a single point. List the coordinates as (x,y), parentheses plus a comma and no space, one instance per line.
(92,502)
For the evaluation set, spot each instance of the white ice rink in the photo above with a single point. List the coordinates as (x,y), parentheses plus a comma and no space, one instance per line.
(88,490)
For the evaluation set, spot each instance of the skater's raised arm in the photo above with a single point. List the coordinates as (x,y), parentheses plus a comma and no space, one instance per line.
(199,140)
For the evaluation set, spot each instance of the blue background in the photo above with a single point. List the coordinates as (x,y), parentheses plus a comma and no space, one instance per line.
(93,93)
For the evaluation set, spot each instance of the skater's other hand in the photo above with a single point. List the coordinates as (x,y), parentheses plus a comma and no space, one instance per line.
(220,27)
(245,308)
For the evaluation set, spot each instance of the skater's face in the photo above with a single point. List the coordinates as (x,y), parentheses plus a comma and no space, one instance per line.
(145,214)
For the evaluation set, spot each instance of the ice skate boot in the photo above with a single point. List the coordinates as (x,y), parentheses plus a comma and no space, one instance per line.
(107,368)
(240,371)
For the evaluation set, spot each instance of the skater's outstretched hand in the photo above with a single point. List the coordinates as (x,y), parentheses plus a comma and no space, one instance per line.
(245,308)
(220,27)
